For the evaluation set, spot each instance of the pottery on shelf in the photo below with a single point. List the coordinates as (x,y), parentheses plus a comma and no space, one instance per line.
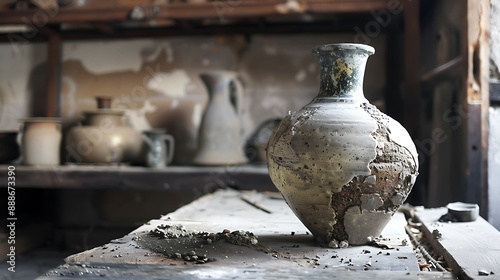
(219,137)
(343,167)
(255,148)
(159,149)
(103,139)
(41,141)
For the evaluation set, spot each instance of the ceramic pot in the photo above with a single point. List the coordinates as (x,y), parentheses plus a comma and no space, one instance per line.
(342,166)
(160,148)
(255,148)
(41,141)
(103,139)
(9,149)
(219,137)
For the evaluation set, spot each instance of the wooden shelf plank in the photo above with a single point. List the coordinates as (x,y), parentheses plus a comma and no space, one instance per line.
(277,247)
(146,271)
(217,9)
(131,177)
(54,57)
(467,247)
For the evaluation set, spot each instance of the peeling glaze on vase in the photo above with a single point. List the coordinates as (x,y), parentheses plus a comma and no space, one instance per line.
(41,141)
(219,137)
(343,167)
(103,139)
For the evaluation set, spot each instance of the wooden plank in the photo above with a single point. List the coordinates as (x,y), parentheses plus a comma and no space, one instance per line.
(277,248)
(291,27)
(53,88)
(25,239)
(120,10)
(180,272)
(467,247)
(394,97)
(204,179)
(476,48)
(412,66)
(443,71)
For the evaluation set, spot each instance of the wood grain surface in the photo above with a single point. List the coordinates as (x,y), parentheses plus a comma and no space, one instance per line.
(468,247)
(283,241)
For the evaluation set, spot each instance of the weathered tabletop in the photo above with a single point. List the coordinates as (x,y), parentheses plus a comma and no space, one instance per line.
(284,249)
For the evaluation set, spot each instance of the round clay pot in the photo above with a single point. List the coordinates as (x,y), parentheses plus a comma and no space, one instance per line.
(255,148)
(103,139)
(342,166)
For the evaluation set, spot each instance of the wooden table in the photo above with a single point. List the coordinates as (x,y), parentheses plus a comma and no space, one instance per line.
(285,248)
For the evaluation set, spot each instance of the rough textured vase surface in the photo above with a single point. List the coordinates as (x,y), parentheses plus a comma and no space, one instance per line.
(342,166)
(41,141)
(219,137)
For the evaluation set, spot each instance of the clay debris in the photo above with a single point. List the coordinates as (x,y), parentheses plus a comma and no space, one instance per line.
(237,237)
(180,243)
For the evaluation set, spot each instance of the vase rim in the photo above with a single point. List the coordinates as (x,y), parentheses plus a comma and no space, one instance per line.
(344,46)
(41,120)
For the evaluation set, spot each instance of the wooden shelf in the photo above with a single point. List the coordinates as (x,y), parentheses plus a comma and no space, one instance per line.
(119,10)
(245,177)
(112,19)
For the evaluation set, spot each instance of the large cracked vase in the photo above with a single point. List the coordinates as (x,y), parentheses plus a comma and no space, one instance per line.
(342,166)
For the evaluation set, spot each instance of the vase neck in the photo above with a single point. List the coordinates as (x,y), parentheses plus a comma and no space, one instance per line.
(342,69)
(217,82)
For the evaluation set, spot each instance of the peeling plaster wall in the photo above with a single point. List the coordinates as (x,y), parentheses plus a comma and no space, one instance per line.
(494,122)
(494,167)
(17,82)
(495,38)
(157,81)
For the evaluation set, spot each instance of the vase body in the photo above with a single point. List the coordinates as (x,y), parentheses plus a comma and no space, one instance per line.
(342,166)
(219,137)
(41,141)
(103,139)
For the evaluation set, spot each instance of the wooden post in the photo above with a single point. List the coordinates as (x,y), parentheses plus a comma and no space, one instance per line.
(394,78)
(412,67)
(475,47)
(53,85)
